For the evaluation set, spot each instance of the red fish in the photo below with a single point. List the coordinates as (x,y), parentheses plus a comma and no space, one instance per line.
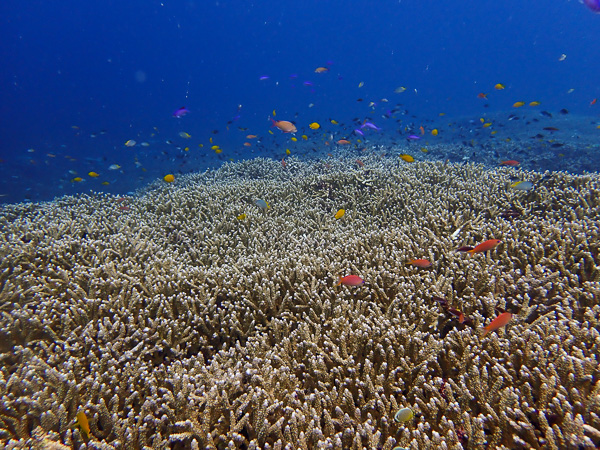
(490,244)
(498,322)
(360,163)
(422,263)
(343,142)
(510,162)
(350,280)
(284,125)
(481,95)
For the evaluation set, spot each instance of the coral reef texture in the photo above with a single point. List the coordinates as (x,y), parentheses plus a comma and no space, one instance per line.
(174,321)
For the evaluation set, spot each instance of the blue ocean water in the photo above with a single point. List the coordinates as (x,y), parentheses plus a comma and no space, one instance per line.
(80,79)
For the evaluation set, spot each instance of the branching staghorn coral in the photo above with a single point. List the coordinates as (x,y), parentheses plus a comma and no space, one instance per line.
(176,325)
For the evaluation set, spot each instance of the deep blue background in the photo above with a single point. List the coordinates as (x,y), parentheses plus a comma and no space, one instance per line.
(124,67)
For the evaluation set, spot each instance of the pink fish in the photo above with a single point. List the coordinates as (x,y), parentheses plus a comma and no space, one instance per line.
(180,112)
(498,322)
(350,280)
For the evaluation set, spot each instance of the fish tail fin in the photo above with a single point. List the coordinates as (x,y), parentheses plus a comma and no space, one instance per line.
(339,280)
(486,330)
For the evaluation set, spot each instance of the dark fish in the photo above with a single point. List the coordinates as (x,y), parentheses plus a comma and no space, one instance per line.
(440,300)
(180,112)
(550,128)
(545,113)
(556,145)
(464,248)
(564,111)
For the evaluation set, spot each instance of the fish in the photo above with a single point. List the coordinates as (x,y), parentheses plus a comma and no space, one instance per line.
(404,415)
(284,125)
(413,137)
(562,57)
(130,143)
(422,263)
(350,280)
(76,179)
(93,174)
(251,136)
(241,217)
(399,89)
(536,103)
(487,124)
(333,121)
(456,313)
(360,163)
(407,158)
(518,104)
(434,132)
(522,186)
(263,78)
(343,142)
(180,112)
(593,5)
(593,102)
(184,135)
(464,248)
(482,95)
(498,322)
(321,70)
(499,86)
(287,151)
(490,244)
(339,214)
(314,126)
(510,162)
(247,144)
(169,178)
(261,204)
(83,424)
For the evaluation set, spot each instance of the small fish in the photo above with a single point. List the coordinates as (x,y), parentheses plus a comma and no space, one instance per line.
(551,129)
(339,214)
(442,301)
(434,132)
(287,151)
(422,263)
(400,90)
(251,136)
(486,125)
(93,174)
(360,163)
(321,70)
(76,179)
(247,144)
(284,125)
(490,244)
(464,248)
(522,186)
(518,104)
(361,84)
(564,111)
(215,147)
(456,313)
(294,139)
(413,137)
(261,204)
(333,121)
(314,126)
(180,112)
(343,142)
(407,158)
(169,178)
(510,162)
(562,57)
(83,424)
(498,322)
(593,102)
(130,143)
(499,86)
(350,280)
(241,217)
(546,113)
(404,415)
(534,103)
(263,78)
(184,135)
(482,95)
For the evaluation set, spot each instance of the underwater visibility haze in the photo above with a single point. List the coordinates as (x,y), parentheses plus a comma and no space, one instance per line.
(82,80)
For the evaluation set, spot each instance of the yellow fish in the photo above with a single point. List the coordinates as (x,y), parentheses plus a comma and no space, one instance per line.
(518,104)
(361,84)
(93,174)
(185,135)
(488,124)
(215,147)
(295,139)
(305,137)
(314,126)
(407,158)
(83,424)
(218,151)
(499,86)
(333,121)
(241,217)
(169,178)
(287,151)
(534,103)
(434,132)
(77,179)
(340,214)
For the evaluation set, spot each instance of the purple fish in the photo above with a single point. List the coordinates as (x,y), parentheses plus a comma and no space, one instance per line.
(371,126)
(181,112)
(263,78)
(308,83)
(357,131)
(414,137)
(593,5)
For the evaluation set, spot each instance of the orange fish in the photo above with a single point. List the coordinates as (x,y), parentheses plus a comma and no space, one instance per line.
(360,163)
(498,322)
(490,244)
(283,163)
(422,263)
(251,136)
(247,144)
(422,130)
(510,162)
(593,102)
(481,95)
(321,70)
(343,142)
(350,280)
(284,125)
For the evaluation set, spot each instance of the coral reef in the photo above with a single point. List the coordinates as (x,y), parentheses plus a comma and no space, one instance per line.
(172,324)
